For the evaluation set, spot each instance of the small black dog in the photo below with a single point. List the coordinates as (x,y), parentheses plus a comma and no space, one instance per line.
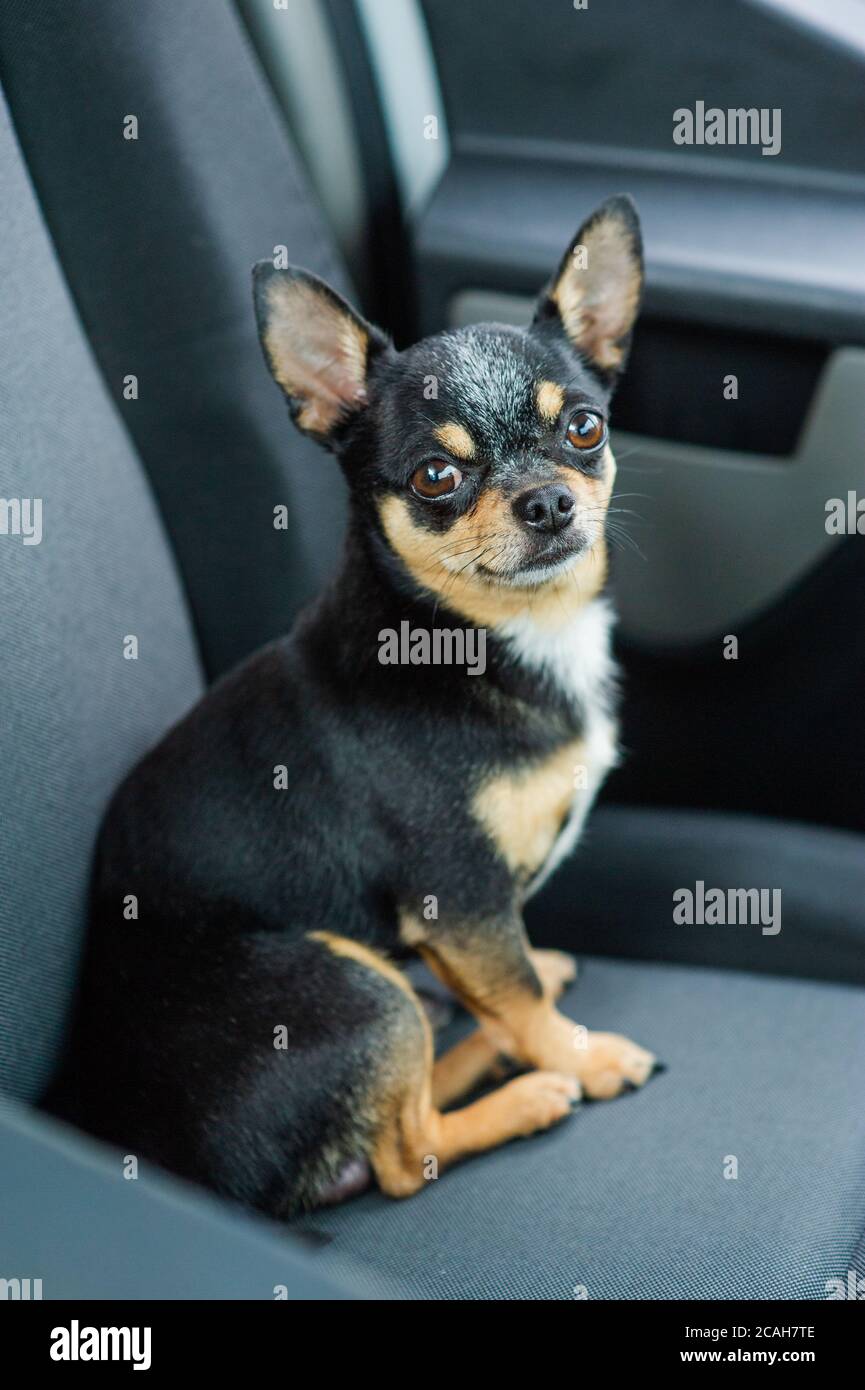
(321,813)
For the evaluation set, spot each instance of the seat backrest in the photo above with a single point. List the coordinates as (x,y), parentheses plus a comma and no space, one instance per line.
(84,568)
(124,258)
(157,236)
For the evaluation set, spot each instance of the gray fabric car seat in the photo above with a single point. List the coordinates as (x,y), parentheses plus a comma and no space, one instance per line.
(132,257)
(157,236)
(75,712)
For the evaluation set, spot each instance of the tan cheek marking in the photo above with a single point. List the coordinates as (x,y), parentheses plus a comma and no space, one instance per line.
(591,490)
(550,399)
(523,812)
(478,601)
(439,562)
(490,522)
(456,439)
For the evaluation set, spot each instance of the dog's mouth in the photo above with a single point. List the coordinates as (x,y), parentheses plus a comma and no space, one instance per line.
(541,562)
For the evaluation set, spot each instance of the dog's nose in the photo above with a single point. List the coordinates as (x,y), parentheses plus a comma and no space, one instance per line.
(547,508)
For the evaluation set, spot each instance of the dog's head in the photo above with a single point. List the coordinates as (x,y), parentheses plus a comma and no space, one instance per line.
(479,457)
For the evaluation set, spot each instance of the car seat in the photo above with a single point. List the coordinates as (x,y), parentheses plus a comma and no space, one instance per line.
(134,406)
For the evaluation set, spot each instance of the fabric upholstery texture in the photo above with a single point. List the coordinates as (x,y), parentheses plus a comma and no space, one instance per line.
(89,1232)
(75,714)
(157,237)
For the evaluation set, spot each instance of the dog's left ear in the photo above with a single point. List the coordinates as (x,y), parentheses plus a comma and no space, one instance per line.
(318,349)
(595,294)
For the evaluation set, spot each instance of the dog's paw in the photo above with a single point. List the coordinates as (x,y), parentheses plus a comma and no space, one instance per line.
(556,970)
(610,1064)
(541,1099)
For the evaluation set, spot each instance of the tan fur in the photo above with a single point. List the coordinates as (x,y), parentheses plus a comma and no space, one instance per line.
(598,303)
(476,1058)
(485,965)
(492,972)
(463,1068)
(522,812)
(303,328)
(549,398)
(444,565)
(456,439)
(555,970)
(410,1129)
(419,1138)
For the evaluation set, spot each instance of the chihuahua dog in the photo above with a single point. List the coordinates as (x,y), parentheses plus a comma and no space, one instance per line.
(322,814)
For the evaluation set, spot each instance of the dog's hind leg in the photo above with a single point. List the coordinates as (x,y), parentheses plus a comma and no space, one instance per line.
(416,1140)
(411,1140)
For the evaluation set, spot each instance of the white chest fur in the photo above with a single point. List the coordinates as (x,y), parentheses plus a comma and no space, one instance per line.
(576,656)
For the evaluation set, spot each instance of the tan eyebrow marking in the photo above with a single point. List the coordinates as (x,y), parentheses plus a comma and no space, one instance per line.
(550,398)
(456,440)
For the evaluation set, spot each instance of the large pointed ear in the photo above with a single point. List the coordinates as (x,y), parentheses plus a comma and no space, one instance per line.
(316,346)
(595,294)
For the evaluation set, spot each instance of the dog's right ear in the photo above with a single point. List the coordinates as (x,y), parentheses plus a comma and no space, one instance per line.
(594,296)
(316,346)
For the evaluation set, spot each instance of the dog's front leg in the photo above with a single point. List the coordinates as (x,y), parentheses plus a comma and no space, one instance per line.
(489,966)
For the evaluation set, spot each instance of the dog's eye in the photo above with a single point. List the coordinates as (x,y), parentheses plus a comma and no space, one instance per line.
(586,430)
(436,479)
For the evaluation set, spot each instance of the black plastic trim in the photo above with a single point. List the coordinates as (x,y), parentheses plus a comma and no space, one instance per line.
(759,256)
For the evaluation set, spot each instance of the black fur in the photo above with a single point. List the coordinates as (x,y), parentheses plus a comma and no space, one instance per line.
(173,1055)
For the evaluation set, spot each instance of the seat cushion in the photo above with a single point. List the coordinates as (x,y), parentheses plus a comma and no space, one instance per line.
(629,1199)
(69,1213)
